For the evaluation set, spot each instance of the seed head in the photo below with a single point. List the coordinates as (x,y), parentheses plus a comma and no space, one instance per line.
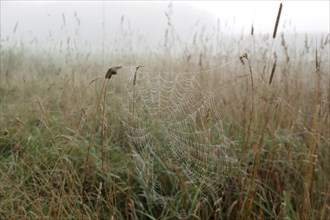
(112,71)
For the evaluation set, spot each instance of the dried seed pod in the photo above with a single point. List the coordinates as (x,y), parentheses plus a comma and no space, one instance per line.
(112,71)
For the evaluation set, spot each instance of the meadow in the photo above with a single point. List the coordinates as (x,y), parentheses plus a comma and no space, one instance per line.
(217,127)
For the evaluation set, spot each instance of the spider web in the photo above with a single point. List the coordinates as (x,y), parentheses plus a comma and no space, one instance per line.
(173,119)
(176,120)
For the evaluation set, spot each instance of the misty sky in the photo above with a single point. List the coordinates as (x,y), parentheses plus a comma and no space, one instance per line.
(147,20)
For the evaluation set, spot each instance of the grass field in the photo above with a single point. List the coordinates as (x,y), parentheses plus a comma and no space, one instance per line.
(206,129)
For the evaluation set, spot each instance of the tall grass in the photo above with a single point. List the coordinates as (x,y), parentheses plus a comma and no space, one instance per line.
(66,149)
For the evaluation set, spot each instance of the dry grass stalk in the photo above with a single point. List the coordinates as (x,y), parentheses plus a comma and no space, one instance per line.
(15,28)
(112,71)
(286,48)
(134,83)
(273,69)
(274,33)
(317,63)
(277,20)
(242,57)
(94,80)
(307,46)
(135,75)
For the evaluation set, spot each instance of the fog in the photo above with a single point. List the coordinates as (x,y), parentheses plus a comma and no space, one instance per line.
(144,23)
